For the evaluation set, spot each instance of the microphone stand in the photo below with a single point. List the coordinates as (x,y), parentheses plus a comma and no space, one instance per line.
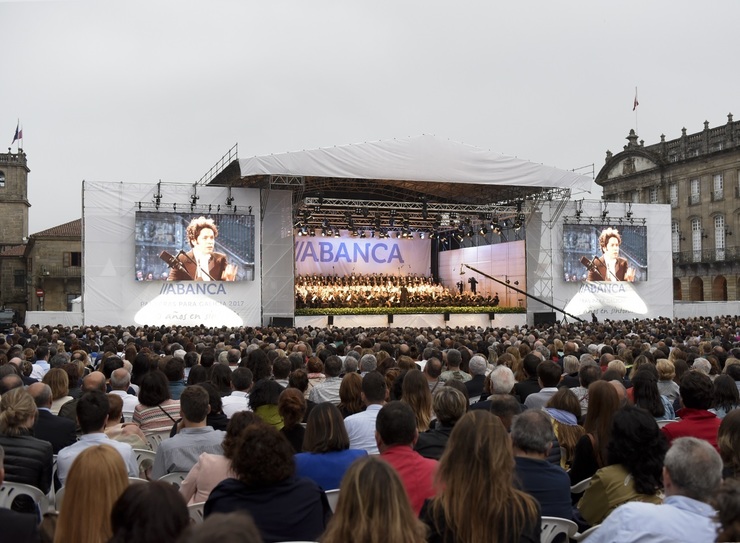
(520,291)
(186,255)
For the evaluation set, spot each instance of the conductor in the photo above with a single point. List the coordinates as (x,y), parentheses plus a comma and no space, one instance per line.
(202,263)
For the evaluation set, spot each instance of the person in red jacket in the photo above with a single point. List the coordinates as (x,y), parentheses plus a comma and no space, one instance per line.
(696,420)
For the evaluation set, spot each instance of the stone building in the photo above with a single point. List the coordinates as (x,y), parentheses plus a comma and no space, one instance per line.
(48,262)
(699,176)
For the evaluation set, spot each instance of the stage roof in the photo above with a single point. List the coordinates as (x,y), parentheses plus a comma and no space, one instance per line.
(428,169)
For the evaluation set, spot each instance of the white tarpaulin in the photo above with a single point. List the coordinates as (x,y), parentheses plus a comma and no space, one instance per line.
(419,158)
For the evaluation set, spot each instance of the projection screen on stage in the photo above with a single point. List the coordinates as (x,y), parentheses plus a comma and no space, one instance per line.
(121,253)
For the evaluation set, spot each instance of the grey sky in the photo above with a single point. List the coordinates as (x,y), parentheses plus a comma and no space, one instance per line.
(141,91)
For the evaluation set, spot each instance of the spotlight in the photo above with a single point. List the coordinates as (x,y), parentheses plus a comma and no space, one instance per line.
(421,235)
(336,233)
(483,230)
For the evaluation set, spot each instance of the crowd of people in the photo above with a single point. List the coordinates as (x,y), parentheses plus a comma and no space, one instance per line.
(381,290)
(439,435)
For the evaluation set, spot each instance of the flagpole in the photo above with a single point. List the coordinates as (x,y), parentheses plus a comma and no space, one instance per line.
(637,131)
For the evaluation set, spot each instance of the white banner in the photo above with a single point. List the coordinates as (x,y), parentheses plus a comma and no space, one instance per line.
(345,256)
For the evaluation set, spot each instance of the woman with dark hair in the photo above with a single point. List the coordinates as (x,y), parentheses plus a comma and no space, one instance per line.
(591,450)
(73,374)
(259,364)
(415,392)
(726,397)
(326,449)
(350,395)
(635,457)
(221,379)
(292,408)
(211,469)
(263,400)
(149,513)
(284,507)
(646,394)
(216,418)
(565,410)
(156,410)
(373,496)
(140,366)
(476,499)
(198,374)
(728,442)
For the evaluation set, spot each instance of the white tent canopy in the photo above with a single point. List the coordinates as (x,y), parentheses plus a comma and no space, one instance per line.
(419,158)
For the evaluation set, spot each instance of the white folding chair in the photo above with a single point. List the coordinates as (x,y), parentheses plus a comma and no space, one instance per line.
(580,487)
(333,497)
(10,491)
(155,438)
(136,480)
(175,478)
(583,535)
(58,497)
(474,399)
(552,526)
(195,511)
(662,423)
(144,459)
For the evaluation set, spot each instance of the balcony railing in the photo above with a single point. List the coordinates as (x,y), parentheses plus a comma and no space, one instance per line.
(707,256)
(60,271)
(718,195)
(694,199)
(674,201)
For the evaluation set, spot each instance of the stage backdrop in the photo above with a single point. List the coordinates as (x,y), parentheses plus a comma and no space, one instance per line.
(347,255)
(111,292)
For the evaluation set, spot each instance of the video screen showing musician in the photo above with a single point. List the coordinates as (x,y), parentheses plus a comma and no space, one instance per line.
(610,266)
(202,262)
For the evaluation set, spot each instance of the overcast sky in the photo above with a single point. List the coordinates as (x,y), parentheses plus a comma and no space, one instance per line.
(141,91)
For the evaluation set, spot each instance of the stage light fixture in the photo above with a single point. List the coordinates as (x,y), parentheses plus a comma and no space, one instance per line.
(139,206)
(470,233)
(174,208)
(421,235)
(483,230)
(336,233)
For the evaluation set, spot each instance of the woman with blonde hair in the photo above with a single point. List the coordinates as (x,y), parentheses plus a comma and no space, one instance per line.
(96,480)
(415,393)
(58,381)
(476,498)
(373,507)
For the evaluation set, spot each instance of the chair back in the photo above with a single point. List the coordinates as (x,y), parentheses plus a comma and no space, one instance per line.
(580,487)
(10,491)
(155,438)
(333,497)
(174,478)
(195,511)
(552,526)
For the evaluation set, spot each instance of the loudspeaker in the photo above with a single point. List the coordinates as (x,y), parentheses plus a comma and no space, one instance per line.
(331,320)
(447,316)
(544,318)
(390,318)
(492,316)
(282,322)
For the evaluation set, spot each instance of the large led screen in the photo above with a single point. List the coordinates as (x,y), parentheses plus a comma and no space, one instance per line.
(605,252)
(194,247)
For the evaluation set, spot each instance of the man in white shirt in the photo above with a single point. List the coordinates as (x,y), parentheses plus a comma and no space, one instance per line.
(41,364)
(361,426)
(241,381)
(328,391)
(120,380)
(548,375)
(92,414)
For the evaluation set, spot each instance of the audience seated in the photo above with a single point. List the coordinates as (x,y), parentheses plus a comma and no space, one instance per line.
(149,513)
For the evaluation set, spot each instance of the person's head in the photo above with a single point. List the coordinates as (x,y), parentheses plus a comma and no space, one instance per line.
(728,440)
(702,365)
(115,409)
(95,481)
(41,394)
(368,363)
(194,404)
(374,388)
(727,503)
(153,389)
(149,513)
(502,380)
(333,366)
(565,400)
(477,365)
(609,241)
(638,444)
(241,379)
(433,368)
(725,393)
(198,374)
(202,234)
(505,407)
(589,373)
(415,392)
(236,527)
(17,412)
(532,433)
(221,377)
(350,393)
(120,379)
(454,359)
(325,431)
(666,370)
(58,380)
(549,373)
(263,456)
(174,370)
(646,394)
(571,364)
(292,407)
(449,405)
(395,425)
(237,423)
(603,402)
(264,392)
(530,363)
(696,390)
(92,411)
(10,381)
(372,496)
(692,468)
(477,467)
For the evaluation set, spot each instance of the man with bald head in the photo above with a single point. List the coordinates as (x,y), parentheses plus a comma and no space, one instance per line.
(59,431)
(27,380)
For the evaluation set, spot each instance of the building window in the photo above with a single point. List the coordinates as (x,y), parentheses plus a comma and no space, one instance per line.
(696,239)
(695,194)
(719,237)
(673,193)
(635,196)
(653,195)
(19,279)
(718,191)
(2,179)
(72,259)
(675,237)
(70,299)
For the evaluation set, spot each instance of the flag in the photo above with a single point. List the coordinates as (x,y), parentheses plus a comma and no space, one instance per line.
(635,103)
(18,133)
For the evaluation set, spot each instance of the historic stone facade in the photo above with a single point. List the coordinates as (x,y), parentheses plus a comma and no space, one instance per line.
(699,176)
